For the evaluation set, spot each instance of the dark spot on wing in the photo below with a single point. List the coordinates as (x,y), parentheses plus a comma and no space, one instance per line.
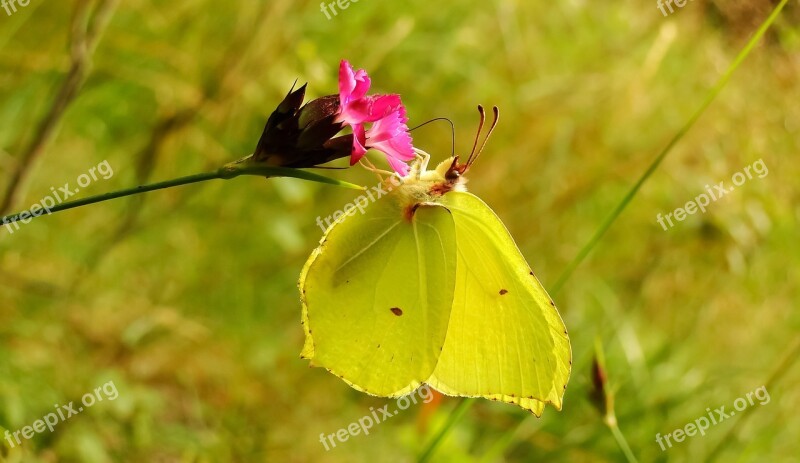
(552,303)
(503,292)
(397,311)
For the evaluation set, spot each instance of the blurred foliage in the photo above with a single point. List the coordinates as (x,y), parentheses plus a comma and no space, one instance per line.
(186,298)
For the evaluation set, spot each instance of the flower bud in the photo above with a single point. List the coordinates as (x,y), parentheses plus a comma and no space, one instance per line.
(296,136)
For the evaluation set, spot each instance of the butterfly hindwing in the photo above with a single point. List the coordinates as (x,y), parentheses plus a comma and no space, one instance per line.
(377,294)
(505,340)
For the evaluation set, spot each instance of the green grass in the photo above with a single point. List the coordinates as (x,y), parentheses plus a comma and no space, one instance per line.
(193,309)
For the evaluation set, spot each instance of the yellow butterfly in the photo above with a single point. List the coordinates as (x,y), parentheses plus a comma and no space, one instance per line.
(428,287)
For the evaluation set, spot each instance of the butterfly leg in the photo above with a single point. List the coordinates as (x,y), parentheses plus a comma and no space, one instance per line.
(423,157)
(365,163)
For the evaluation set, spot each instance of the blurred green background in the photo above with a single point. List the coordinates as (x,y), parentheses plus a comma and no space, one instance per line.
(187,299)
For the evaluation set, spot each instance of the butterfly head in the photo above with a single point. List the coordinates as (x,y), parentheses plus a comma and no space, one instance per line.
(424,185)
(449,174)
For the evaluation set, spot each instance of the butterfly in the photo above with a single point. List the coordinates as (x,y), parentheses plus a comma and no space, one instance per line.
(427,286)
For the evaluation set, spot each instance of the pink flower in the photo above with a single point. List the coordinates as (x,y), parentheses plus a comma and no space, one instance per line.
(353,88)
(388,135)
(388,132)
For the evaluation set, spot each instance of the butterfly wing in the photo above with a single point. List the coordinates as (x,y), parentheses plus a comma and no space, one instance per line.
(505,340)
(377,294)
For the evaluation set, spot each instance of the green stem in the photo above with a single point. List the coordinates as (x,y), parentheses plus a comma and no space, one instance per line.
(621,441)
(226,172)
(710,97)
(115,194)
(454,417)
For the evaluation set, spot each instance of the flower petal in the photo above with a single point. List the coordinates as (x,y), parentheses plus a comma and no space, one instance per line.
(381,106)
(363,82)
(355,112)
(359,140)
(398,166)
(347,81)
(390,136)
(353,101)
(353,85)
(389,126)
(399,147)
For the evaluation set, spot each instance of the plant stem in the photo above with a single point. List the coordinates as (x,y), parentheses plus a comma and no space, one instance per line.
(621,441)
(710,97)
(454,417)
(226,172)
(118,194)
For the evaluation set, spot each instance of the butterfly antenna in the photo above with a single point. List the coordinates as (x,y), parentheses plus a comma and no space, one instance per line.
(478,134)
(452,131)
(474,155)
